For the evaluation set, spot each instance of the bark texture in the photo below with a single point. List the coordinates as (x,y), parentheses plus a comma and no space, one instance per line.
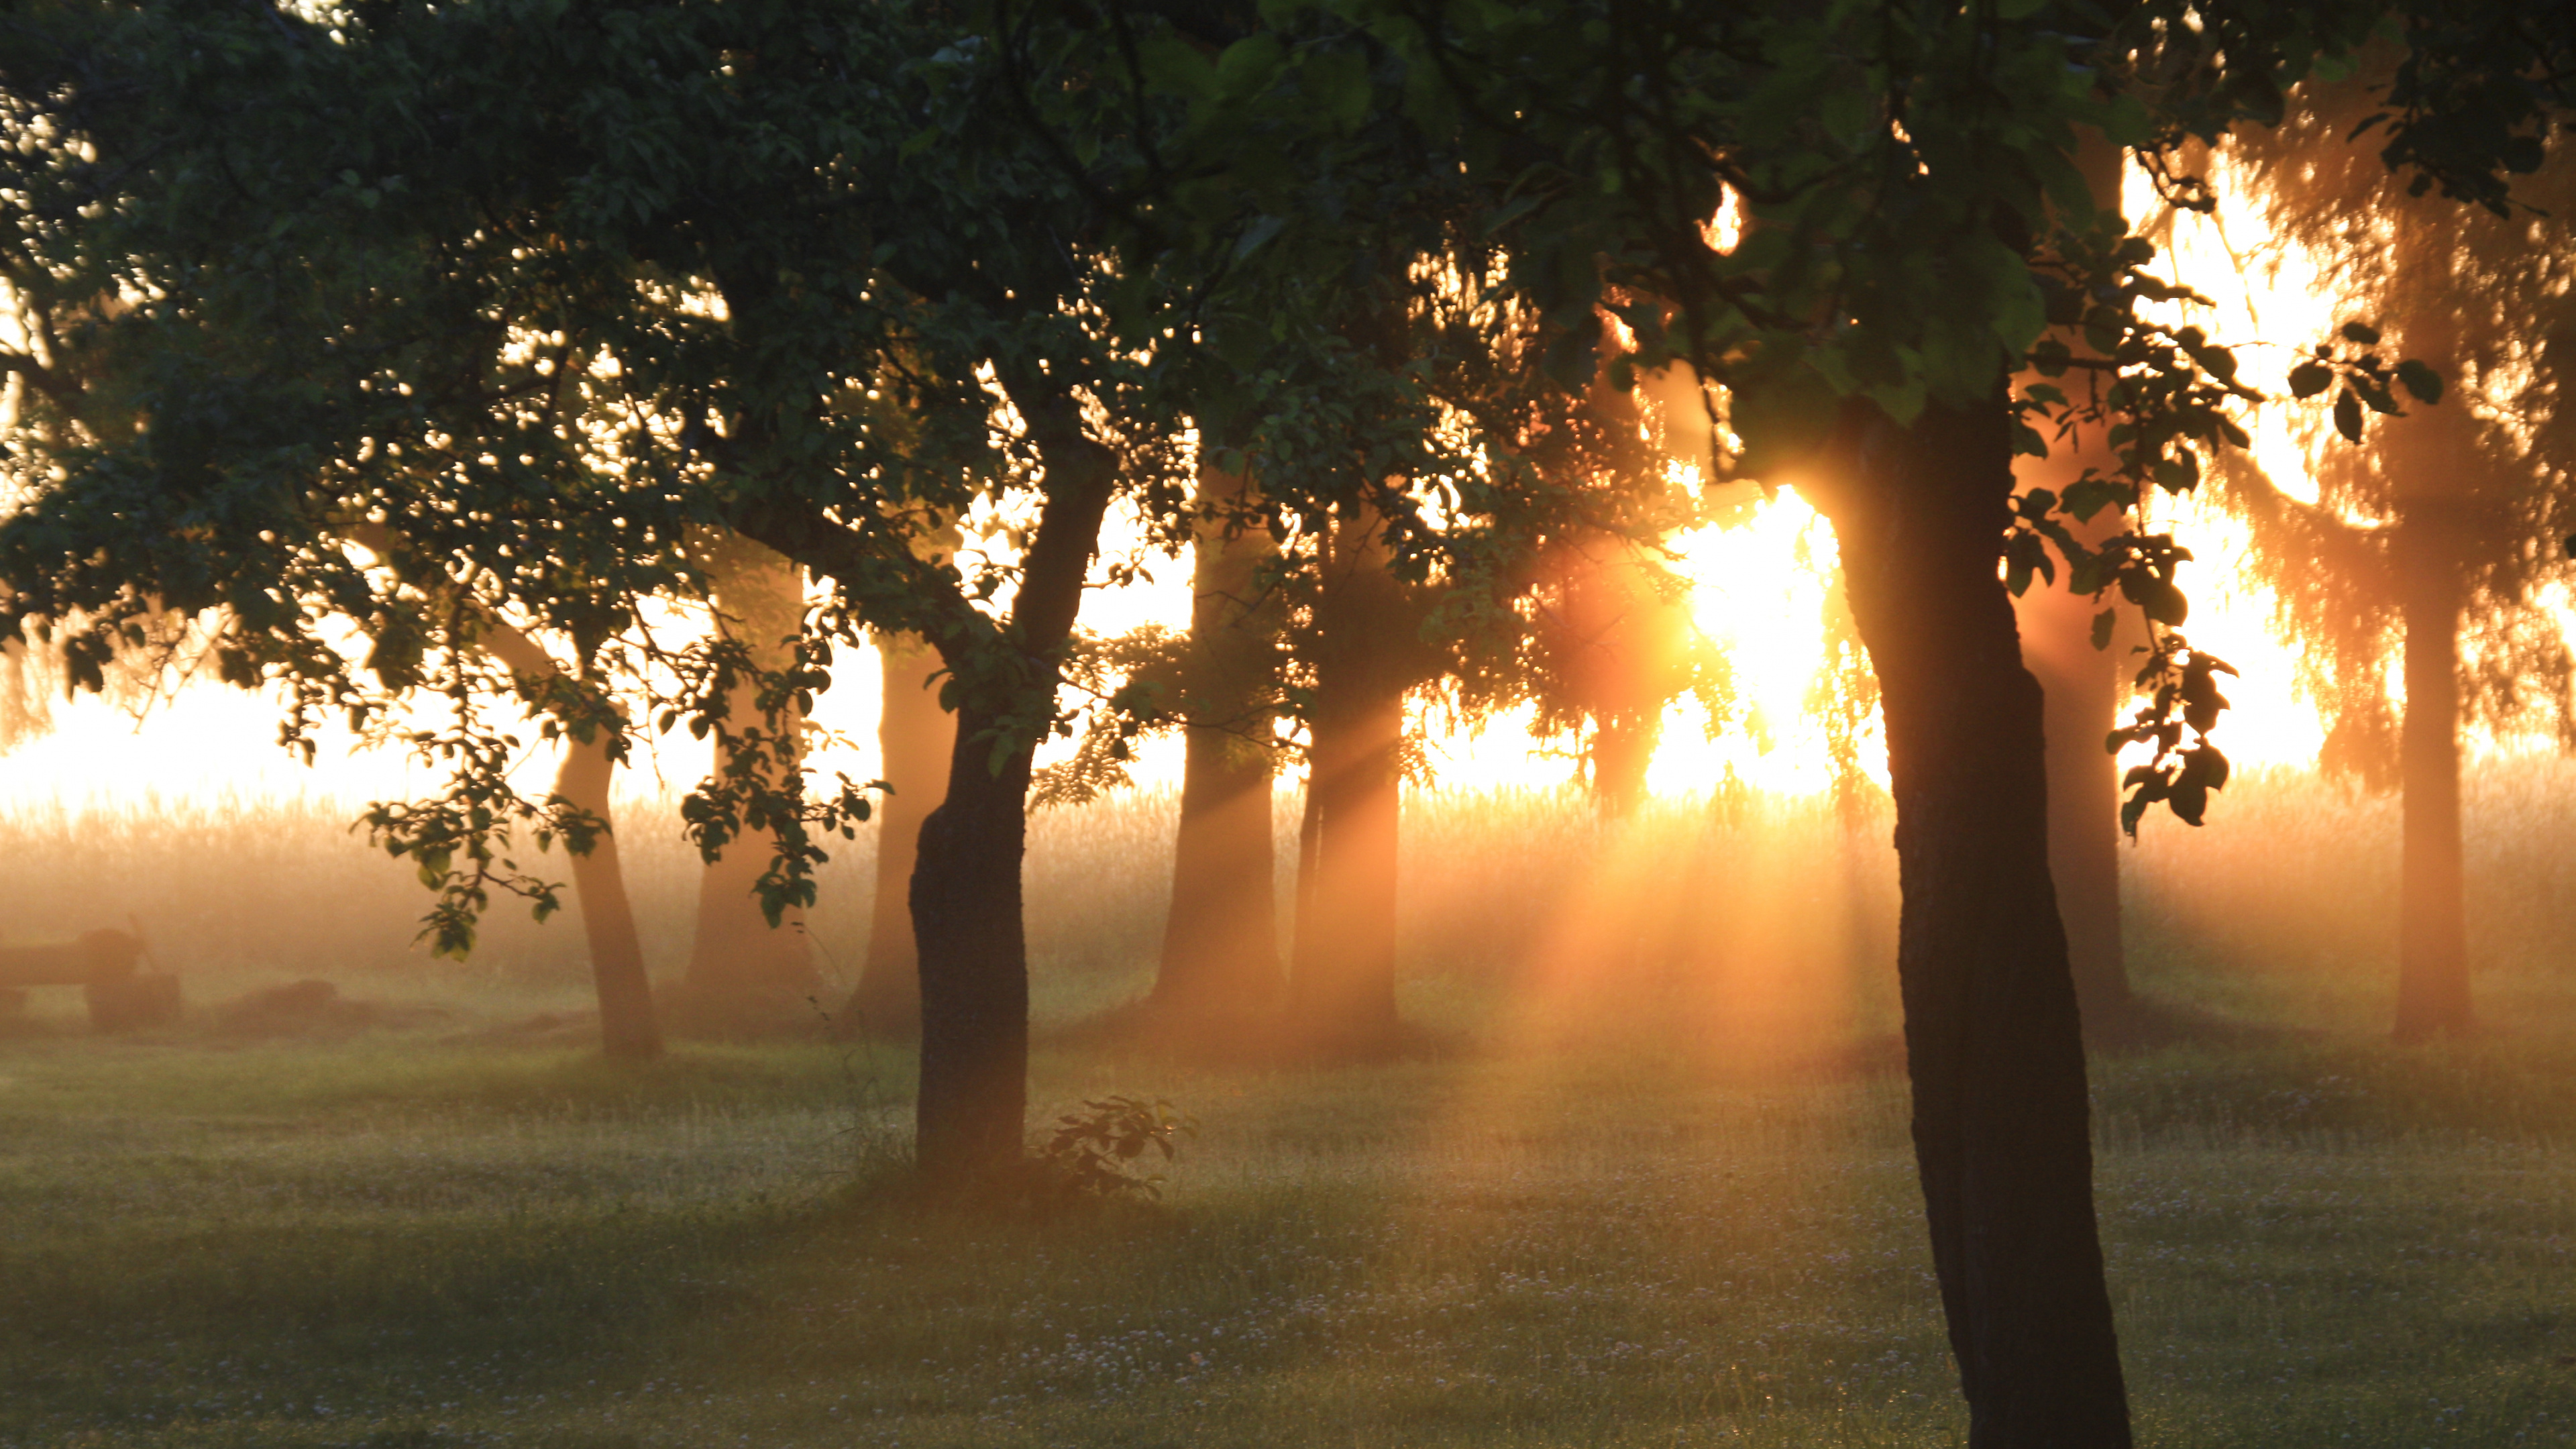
(965,892)
(1342,971)
(914,739)
(746,977)
(2432,922)
(1221,940)
(967,928)
(1994,1044)
(628,1028)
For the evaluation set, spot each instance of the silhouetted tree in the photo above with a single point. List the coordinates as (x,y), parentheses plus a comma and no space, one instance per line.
(2083,671)
(2449,528)
(1220,954)
(915,739)
(747,973)
(1915,223)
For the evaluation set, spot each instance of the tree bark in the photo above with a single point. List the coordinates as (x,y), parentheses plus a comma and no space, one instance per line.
(744,975)
(628,1029)
(914,739)
(1221,939)
(968,931)
(1994,1043)
(1342,972)
(966,904)
(2432,929)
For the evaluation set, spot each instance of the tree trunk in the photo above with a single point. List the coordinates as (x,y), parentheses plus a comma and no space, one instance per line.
(1994,1043)
(914,738)
(966,922)
(1342,975)
(1221,940)
(629,1025)
(627,1028)
(2432,929)
(744,975)
(2082,688)
(1622,750)
(965,894)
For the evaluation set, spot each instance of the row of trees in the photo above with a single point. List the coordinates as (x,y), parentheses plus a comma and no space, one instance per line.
(376,334)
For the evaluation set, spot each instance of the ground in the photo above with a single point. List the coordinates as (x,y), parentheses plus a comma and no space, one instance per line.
(424,1235)
(1654,1189)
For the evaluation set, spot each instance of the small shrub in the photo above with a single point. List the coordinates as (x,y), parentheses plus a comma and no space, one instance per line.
(1098,1152)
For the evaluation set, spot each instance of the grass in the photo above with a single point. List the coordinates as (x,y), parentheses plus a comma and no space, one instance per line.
(1570,1229)
(399,1240)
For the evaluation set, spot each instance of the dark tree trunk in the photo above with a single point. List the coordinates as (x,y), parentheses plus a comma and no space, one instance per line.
(628,1029)
(1994,1044)
(914,738)
(967,927)
(965,892)
(744,975)
(1342,972)
(2432,928)
(1221,940)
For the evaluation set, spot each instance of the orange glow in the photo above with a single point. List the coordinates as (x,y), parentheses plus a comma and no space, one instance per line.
(1760,592)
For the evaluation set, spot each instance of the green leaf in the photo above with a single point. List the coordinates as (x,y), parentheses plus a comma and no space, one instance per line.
(2347,415)
(2361,332)
(2103,624)
(1339,82)
(2310,378)
(1175,66)
(1248,65)
(1261,230)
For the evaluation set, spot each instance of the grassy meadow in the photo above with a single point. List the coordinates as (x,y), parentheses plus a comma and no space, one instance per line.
(1650,1185)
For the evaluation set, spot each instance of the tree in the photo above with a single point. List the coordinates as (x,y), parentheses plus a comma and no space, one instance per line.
(516,333)
(1341,974)
(1220,955)
(914,742)
(583,718)
(747,973)
(2083,684)
(1917,220)
(2443,532)
(133,418)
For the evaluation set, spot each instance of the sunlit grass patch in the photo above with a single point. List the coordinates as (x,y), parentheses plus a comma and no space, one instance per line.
(402,1242)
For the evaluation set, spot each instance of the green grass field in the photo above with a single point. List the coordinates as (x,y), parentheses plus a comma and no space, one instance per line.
(453,1233)
(402,1240)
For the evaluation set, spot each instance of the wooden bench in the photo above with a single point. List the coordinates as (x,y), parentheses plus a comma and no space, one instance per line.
(103,965)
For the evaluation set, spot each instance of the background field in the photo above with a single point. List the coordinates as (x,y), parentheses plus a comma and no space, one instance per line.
(1650,1187)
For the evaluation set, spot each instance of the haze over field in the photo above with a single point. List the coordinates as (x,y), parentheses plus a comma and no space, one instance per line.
(1331,723)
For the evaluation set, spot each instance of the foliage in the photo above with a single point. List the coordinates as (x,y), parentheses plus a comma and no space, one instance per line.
(1095,1152)
(2487,494)
(1913,220)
